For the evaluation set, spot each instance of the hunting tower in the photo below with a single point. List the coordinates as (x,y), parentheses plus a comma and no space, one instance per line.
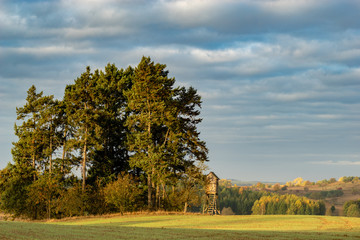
(212,183)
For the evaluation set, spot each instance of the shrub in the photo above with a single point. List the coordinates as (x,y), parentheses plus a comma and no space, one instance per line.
(348,179)
(353,211)
(14,181)
(276,187)
(71,202)
(227,211)
(352,208)
(122,193)
(330,211)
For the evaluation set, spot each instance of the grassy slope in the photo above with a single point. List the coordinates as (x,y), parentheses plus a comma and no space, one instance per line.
(188,227)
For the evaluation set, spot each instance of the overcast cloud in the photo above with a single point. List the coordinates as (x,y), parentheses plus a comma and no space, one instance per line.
(280,79)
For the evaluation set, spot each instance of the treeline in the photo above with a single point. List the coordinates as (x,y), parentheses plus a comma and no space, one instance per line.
(325,194)
(243,201)
(297,182)
(130,134)
(240,200)
(275,204)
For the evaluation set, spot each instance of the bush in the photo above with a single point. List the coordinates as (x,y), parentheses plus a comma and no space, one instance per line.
(352,208)
(42,196)
(353,211)
(122,193)
(227,211)
(14,181)
(330,211)
(71,202)
(276,187)
(348,179)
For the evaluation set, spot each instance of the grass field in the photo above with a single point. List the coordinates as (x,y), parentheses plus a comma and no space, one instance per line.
(187,227)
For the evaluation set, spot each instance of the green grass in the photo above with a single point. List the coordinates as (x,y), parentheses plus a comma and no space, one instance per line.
(187,227)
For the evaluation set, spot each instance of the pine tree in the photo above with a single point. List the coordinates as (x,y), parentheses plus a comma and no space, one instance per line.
(162,126)
(30,147)
(82,114)
(112,156)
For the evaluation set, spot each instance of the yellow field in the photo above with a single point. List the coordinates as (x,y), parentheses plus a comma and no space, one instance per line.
(187,227)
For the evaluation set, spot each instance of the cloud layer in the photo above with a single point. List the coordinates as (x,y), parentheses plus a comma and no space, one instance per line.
(280,79)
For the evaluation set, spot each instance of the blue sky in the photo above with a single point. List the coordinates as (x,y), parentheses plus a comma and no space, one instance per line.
(279,79)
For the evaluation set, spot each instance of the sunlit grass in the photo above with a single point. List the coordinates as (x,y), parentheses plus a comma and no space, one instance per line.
(187,227)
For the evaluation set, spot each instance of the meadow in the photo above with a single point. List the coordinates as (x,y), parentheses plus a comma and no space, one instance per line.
(186,227)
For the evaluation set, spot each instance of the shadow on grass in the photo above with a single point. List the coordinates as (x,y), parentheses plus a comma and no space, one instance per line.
(21,230)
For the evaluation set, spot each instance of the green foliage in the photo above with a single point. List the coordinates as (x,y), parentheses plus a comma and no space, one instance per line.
(325,194)
(32,148)
(227,211)
(287,205)
(42,195)
(331,211)
(71,202)
(105,117)
(352,208)
(276,187)
(111,155)
(162,123)
(332,180)
(349,179)
(123,193)
(83,115)
(353,211)
(239,200)
(191,187)
(13,188)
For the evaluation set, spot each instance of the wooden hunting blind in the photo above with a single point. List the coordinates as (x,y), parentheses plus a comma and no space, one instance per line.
(212,183)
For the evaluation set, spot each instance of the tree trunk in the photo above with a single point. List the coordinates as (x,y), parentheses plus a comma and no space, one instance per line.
(157,197)
(33,157)
(63,154)
(84,164)
(49,209)
(50,157)
(185,207)
(149,193)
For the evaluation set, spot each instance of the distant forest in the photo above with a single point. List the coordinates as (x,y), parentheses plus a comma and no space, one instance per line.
(119,140)
(298,197)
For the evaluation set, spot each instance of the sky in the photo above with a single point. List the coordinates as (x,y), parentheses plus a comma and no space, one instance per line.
(279,79)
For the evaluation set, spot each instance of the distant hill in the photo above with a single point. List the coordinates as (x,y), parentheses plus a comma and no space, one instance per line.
(250,183)
(332,192)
